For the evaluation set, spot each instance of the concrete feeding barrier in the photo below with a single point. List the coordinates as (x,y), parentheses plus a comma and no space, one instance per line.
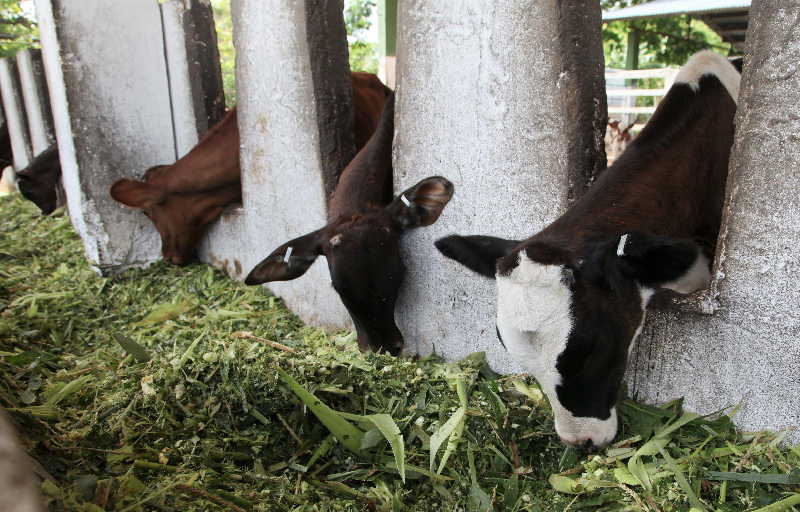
(296,136)
(36,99)
(489,97)
(748,350)
(14,108)
(111,125)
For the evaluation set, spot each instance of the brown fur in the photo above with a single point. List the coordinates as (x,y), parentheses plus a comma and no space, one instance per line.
(183,198)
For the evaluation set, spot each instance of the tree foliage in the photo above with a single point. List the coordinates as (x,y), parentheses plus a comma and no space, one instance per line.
(664,42)
(17,30)
(227,52)
(357,20)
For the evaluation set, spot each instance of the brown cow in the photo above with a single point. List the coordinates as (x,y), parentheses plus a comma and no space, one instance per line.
(183,198)
(571,299)
(362,240)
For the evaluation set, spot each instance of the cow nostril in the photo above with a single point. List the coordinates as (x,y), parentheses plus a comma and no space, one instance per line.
(590,447)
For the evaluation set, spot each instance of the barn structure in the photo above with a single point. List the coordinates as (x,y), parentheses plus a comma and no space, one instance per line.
(507,101)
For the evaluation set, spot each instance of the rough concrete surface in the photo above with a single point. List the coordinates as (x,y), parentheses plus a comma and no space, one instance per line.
(36,99)
(15,113)
(108,81)
(749,350)
(282,161)
(195,77)
(486,99)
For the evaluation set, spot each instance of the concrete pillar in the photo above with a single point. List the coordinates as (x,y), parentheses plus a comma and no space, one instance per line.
(748,351)
(36,99)
(195,76)
(507,101)
(14,108)
(296,136)
(107,77)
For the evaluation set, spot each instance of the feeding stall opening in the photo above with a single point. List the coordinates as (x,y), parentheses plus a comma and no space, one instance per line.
(635,91)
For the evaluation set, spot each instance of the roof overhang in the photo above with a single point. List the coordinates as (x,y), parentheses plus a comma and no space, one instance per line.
(661,8)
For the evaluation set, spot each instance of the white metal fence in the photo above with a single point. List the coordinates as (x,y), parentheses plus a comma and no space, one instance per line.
(622,97)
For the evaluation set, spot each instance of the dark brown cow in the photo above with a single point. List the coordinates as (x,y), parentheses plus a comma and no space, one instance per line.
(362,240)
(40,182)
(571,299)
(183,198)
(6,152)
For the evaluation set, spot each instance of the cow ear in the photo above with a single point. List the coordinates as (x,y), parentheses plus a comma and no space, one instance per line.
(660,262)
(136,194)
(289,261)
(210,215)
(422,204)
(477,253)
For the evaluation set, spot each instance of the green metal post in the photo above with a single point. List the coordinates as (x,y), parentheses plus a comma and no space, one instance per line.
(387,27)
(632,58)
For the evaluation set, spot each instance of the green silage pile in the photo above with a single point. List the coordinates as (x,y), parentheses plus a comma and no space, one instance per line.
(176,389)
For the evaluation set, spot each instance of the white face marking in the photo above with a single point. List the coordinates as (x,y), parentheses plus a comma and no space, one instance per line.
(534,319)
(707,62)
(288,255)
(405,200)
(336,240)
(698,276)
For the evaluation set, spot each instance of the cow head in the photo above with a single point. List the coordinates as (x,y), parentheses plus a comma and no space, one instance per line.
(363,253)
(571,319)
(40,182)
(180,219)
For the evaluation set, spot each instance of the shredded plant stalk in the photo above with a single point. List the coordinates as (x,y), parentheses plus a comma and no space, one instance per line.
(178,389)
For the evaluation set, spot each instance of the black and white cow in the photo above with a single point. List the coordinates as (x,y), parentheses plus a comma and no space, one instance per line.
(571,299)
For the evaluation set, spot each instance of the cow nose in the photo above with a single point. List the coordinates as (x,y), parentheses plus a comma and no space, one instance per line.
(585,444)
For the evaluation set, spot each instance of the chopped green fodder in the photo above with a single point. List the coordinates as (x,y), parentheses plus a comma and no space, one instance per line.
(177,389)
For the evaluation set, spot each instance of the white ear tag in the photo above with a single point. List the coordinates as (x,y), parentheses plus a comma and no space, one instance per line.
(621,246)
(287,255)
(405,200)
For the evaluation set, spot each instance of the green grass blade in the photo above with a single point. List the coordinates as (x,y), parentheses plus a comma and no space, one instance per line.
(687,418)
(391,432)
(782,506)
(344,431)
(683,482)
(131,347)
(444,433)
(638,470)
(70,388)
(452,441)
(164,312)
(761,478)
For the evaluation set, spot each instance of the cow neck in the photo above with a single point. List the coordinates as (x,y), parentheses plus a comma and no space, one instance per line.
(669,182)
(366,183)
(213,163)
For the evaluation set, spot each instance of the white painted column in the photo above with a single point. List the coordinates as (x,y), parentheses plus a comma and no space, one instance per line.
(282,115)
(107,78)
(36,99)
(748,352)
(195,77)
(506,101)
(15,113)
